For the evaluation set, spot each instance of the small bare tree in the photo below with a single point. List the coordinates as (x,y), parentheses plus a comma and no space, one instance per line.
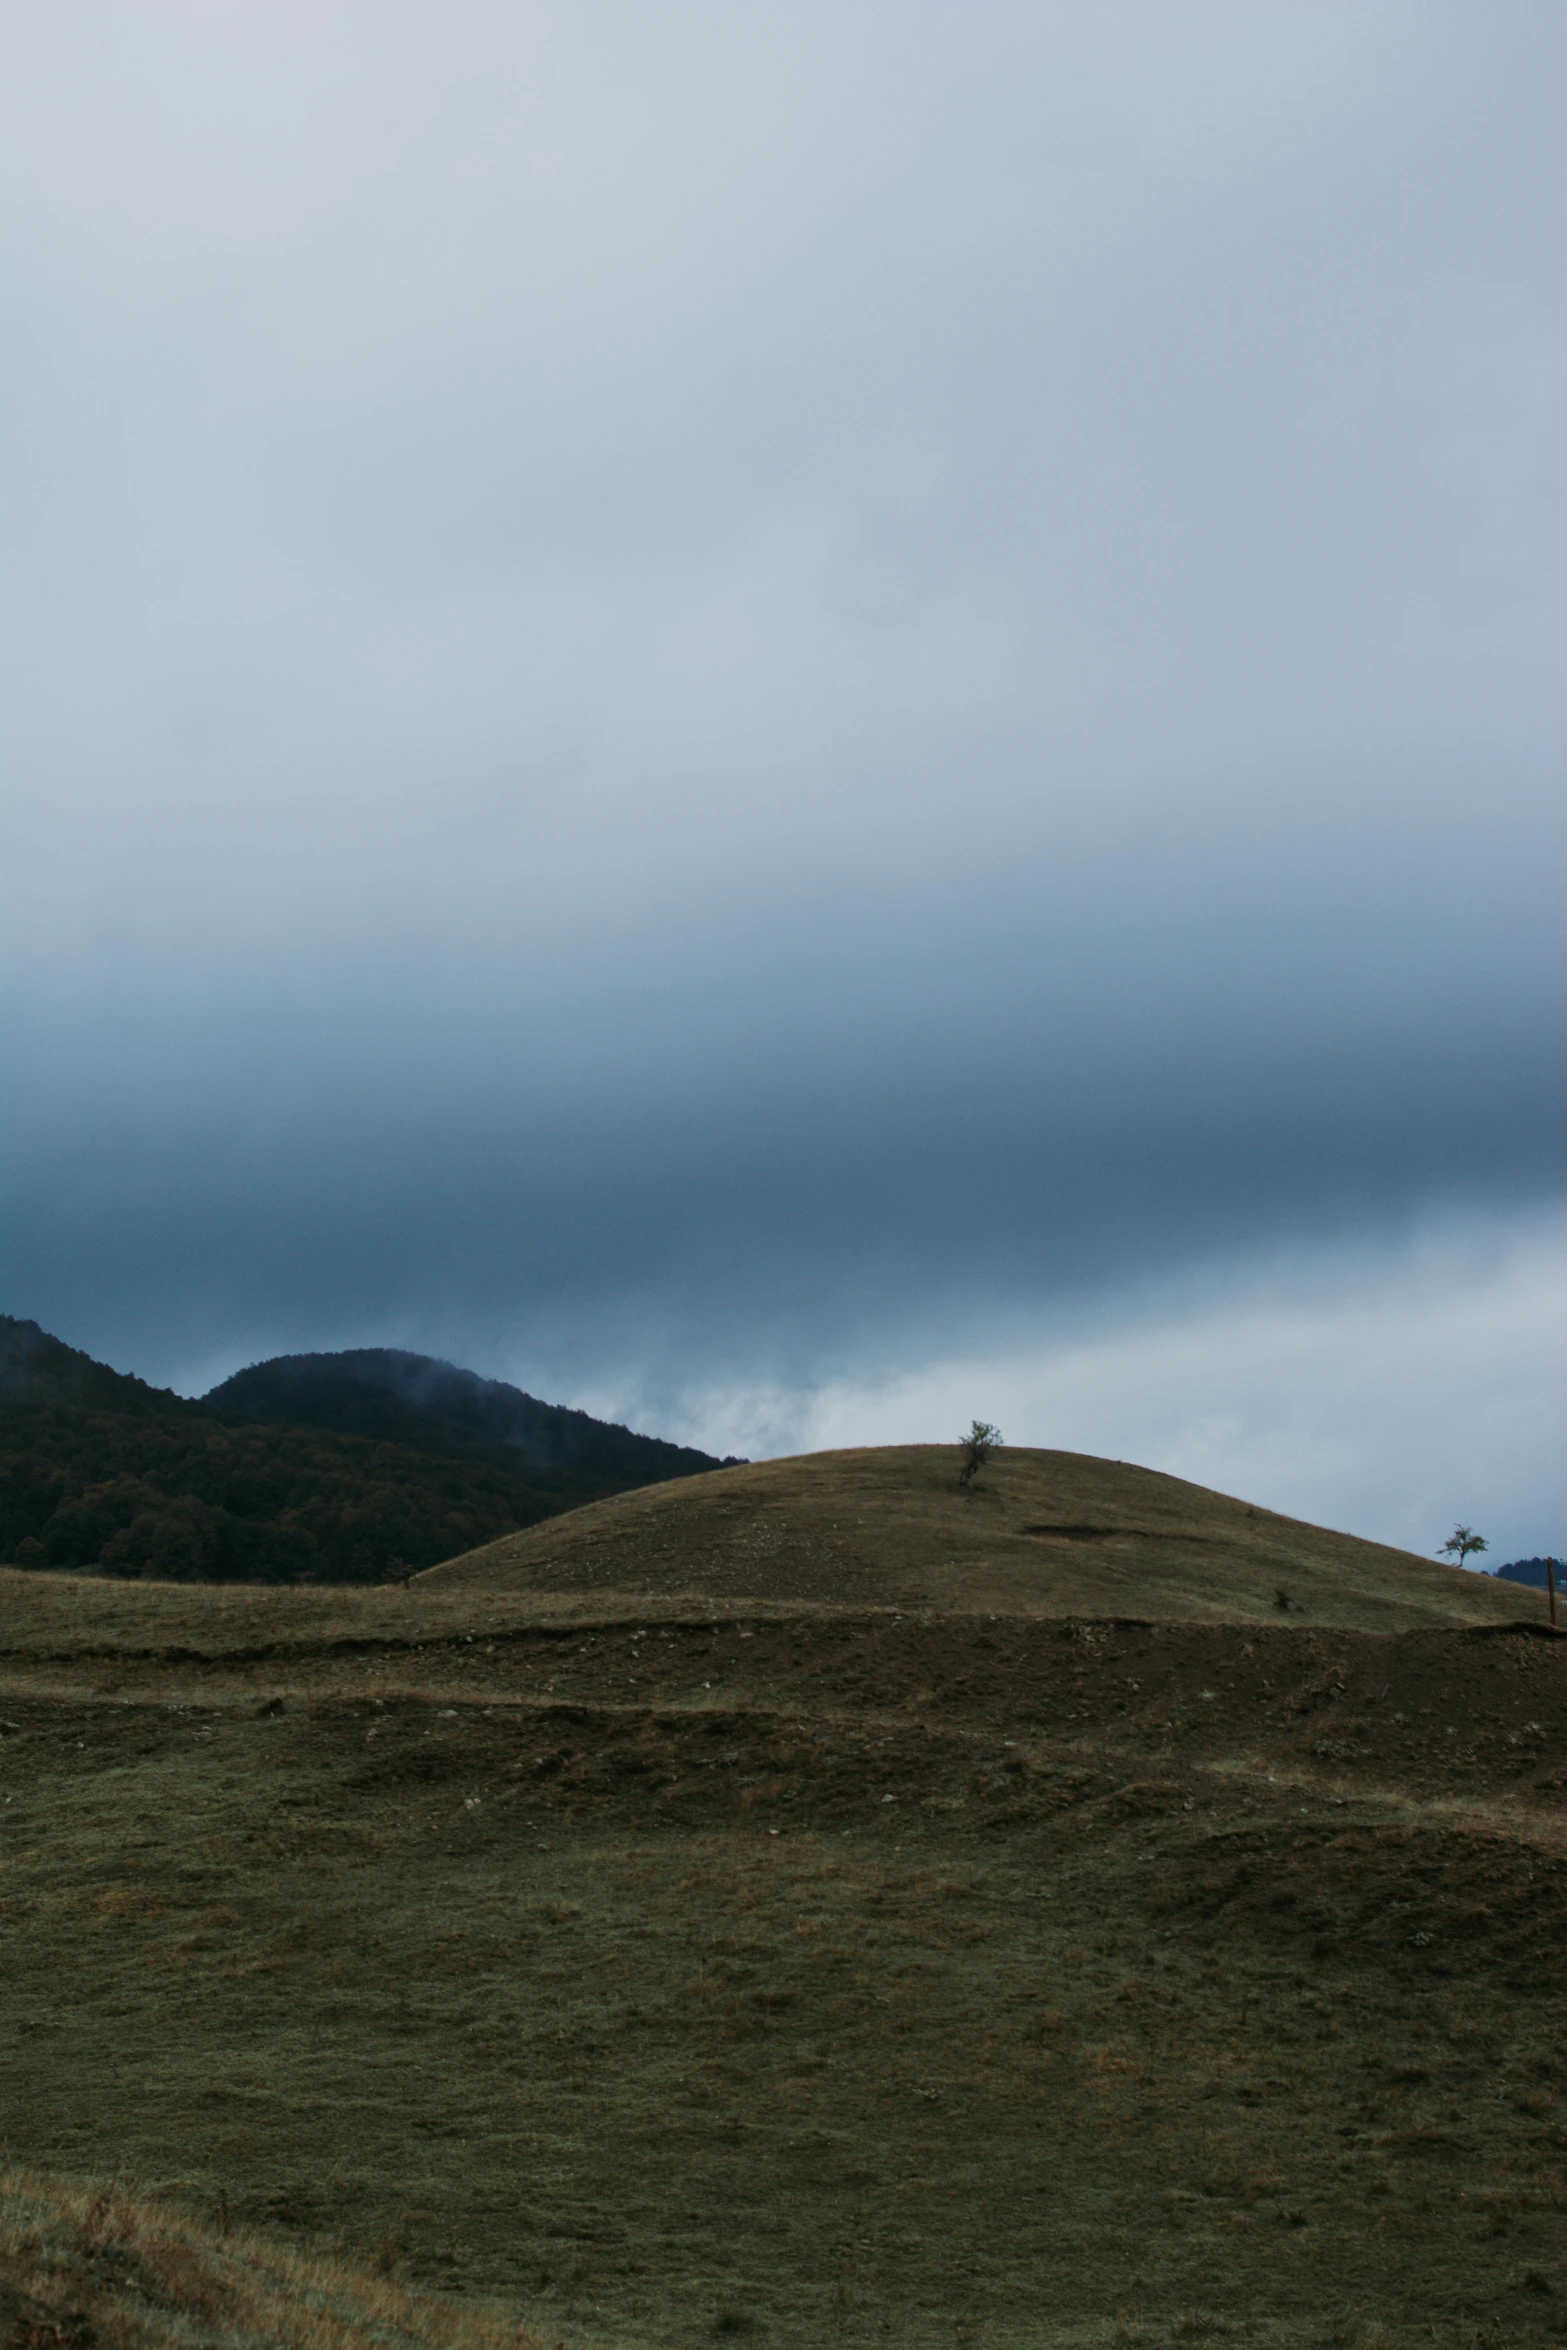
(1460,1543)
(977,1447)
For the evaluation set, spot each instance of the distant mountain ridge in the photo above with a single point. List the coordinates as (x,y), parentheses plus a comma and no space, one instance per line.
(40,1372)
(435,1407)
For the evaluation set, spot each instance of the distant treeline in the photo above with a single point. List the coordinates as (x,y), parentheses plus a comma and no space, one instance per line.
(1532,1571)
(100,1471)
(182,1500)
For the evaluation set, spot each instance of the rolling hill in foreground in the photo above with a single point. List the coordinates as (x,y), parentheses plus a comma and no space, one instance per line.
(803,1905)
(1040,1533)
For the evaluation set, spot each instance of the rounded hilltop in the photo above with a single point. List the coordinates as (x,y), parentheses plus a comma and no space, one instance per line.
(1036,1533)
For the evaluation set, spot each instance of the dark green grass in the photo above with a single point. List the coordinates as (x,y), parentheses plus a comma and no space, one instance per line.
(668,2027)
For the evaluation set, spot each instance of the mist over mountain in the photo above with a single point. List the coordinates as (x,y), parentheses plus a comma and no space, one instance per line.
(434,1407)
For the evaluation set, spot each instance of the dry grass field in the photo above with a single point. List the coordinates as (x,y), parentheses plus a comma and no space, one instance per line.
(665,1958)
(103,2266)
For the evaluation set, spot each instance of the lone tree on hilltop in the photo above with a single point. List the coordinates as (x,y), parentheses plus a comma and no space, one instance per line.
(1460,1543)
(977,1447)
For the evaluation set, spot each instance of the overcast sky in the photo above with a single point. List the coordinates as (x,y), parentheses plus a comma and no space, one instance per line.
(800,722)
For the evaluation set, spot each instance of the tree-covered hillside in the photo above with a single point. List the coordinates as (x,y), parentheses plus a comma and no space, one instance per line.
(100,1470)
(434,1407)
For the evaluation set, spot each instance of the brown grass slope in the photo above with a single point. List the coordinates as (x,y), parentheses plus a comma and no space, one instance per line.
(1040,1533)
(103,2268)
(794,1975)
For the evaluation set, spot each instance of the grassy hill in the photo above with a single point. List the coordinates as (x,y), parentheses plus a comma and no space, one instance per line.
(522,1954)
(1040,1533)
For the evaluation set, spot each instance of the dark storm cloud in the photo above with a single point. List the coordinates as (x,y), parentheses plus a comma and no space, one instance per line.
(713,696)
(782,1149)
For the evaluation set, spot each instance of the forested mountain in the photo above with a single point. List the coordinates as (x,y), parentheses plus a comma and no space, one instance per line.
(192,1500)
(39,1372)
(99,1470)
(434,1407)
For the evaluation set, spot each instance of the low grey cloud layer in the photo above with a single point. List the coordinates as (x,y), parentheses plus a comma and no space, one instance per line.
(717,709)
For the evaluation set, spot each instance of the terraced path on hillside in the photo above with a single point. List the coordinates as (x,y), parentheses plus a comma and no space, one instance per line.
(658,1976)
